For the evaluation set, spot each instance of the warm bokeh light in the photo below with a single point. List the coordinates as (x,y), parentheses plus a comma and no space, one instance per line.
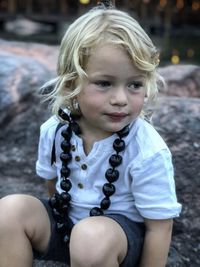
(195,5)
(84,2)
(180,4)
(175,59)
(163,3)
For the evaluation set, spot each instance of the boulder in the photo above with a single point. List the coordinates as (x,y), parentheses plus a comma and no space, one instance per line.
(19,82)
(176,118)
(44,54)
(178,121)
(181,80)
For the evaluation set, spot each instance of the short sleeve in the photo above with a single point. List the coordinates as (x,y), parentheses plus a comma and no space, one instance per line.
(153,187)
(44,168)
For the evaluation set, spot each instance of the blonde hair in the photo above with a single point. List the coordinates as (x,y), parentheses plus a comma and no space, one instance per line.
(100,26)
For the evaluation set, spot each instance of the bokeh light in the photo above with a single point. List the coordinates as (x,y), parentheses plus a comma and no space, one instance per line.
(85,2)
(175,59)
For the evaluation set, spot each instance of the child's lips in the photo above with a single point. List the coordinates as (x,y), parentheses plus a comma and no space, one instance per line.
(117,116)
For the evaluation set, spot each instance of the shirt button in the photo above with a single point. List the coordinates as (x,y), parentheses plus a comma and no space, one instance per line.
(84,167)
(73,148)
(80,186)
(77,158)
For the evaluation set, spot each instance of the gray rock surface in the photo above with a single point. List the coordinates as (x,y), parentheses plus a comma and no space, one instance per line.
(18,80)
(176,118)
(181,80)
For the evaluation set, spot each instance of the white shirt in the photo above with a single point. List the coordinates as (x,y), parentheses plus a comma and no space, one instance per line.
(145,188)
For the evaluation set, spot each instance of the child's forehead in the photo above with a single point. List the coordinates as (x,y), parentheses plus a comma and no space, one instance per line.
(105,53)
(112,60)
(107,48)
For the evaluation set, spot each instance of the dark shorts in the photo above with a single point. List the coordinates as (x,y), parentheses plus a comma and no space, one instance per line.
(57,251)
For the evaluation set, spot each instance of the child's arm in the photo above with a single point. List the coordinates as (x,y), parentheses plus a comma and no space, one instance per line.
(156,243)
(51,186)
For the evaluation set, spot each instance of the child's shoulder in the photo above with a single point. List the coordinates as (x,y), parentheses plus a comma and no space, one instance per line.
(147,138)
(49,126)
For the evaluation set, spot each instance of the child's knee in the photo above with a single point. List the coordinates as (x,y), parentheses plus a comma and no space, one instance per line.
(24,215)
(9,219)
(7,208)
(16,210)
(90,230)
(12,205)
(96,236)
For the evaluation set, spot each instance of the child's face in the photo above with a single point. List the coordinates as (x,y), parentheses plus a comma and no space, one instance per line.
(113,95)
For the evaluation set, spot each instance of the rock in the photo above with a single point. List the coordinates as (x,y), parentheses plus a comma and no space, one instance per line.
(174,259)
(176,118)
(44,54)
(178,121)
(181,80)
(19,82)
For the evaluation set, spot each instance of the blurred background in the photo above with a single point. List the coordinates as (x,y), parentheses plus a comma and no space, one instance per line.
(174,25)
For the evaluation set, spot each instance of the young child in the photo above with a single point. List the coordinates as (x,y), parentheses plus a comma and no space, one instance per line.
(109,173)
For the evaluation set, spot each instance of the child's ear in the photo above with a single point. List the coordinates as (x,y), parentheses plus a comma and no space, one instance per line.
(76,107)
(75,103)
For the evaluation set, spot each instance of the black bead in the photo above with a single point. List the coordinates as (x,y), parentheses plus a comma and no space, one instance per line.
(108,189)
(61,227)
(124,132)
(75,128)
(57,216)
(119,145)
(64,208)
(112,175)
(115,160)
(59,199)
(65,157)
(66,146)
(55,201)
(66,185)
(65,171)
(66,197)
(105,203)
(96,211)
(63,115)
(67,134)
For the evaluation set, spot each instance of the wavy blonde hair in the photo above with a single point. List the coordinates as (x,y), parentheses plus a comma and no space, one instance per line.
(95,27)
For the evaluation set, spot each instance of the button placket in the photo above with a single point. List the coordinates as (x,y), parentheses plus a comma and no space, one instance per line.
(82,168)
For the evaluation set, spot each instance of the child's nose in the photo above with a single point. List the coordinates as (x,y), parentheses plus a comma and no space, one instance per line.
(118,96)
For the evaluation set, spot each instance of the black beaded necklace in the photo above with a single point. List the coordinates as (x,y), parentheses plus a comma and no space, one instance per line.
(60,203)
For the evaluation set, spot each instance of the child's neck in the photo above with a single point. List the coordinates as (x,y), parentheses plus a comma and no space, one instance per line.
(88,141)
(87,145)
(90,137)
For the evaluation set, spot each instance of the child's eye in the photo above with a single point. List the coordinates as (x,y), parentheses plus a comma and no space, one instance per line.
(103,83)
(135,85)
